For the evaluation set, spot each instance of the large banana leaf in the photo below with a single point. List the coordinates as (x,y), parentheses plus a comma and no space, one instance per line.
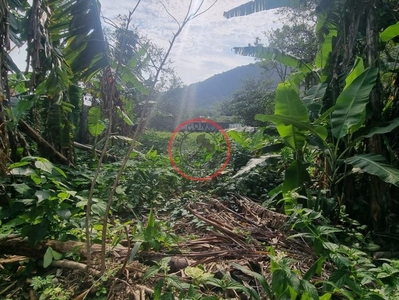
(382,130)
(357,70)
(269,53)
(295,176)
(289,104)
(328,16)
(375,164)
(325,49)
(78,23)
(319,131)
(351,104)
(257,6)
(390,33)
(313,98)
(94,121)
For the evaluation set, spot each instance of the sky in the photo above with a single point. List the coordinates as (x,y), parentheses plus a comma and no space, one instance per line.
(204,48)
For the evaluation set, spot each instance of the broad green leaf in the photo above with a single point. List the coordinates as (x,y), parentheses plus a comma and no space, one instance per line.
(258,140)
(120,189)
(279,281)
(375,164)
(351,103)
(357,70)
(60,171)
(382,130)
(320,131)
(197,273)
(316,92)
(292,136)
(325,49)
(63,195)
(338,277)
(99,208)
(326,296)
(288,104)
(37,179)
(42,195)
(390,32)
(124,116)
(48,257)
(44,165)
(140,86)
(94,121)
(310,289)
(64,213)
(86,50)
(295,176)
(158,289)
(19,164)
(296,78)
(56,255)
(238,137)
(21,187)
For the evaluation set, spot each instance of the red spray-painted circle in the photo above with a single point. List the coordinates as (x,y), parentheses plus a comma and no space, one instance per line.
(223,165)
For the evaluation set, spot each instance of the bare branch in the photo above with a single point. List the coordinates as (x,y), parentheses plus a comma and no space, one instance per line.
(131,12)
(167,11)
(197,13)
(188,10)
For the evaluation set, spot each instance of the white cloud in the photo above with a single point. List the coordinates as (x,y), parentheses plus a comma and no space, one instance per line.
(204,47)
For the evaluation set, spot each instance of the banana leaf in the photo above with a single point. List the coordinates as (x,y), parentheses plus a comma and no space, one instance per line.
(257,6)
(375,164)
(390,32)
(94,121)
(351,104)
(288,104)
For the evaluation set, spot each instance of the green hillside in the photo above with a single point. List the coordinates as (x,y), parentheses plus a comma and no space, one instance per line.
(221,87)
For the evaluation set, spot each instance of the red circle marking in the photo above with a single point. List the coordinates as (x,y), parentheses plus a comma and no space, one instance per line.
(210,177)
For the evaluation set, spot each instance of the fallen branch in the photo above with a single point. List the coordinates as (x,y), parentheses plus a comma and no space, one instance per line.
(34,135)
(63,263)
(91,149)
(20,246)
(12,259)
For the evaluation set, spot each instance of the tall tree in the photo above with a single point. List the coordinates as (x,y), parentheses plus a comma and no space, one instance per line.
(254,97)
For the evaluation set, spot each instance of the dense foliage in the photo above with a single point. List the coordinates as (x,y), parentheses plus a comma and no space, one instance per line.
(323,164)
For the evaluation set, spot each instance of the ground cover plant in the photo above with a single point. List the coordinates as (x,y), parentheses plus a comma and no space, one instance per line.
(91,208)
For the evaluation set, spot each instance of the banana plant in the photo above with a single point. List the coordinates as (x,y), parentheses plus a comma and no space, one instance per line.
(346,122)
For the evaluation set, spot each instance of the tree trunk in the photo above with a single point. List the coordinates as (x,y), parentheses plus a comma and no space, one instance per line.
(378,189)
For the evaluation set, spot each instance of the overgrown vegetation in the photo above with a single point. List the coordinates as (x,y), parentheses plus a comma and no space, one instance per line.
(91,208)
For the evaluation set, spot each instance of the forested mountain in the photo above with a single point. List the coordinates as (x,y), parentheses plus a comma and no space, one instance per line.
(203,98)
(221,87)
